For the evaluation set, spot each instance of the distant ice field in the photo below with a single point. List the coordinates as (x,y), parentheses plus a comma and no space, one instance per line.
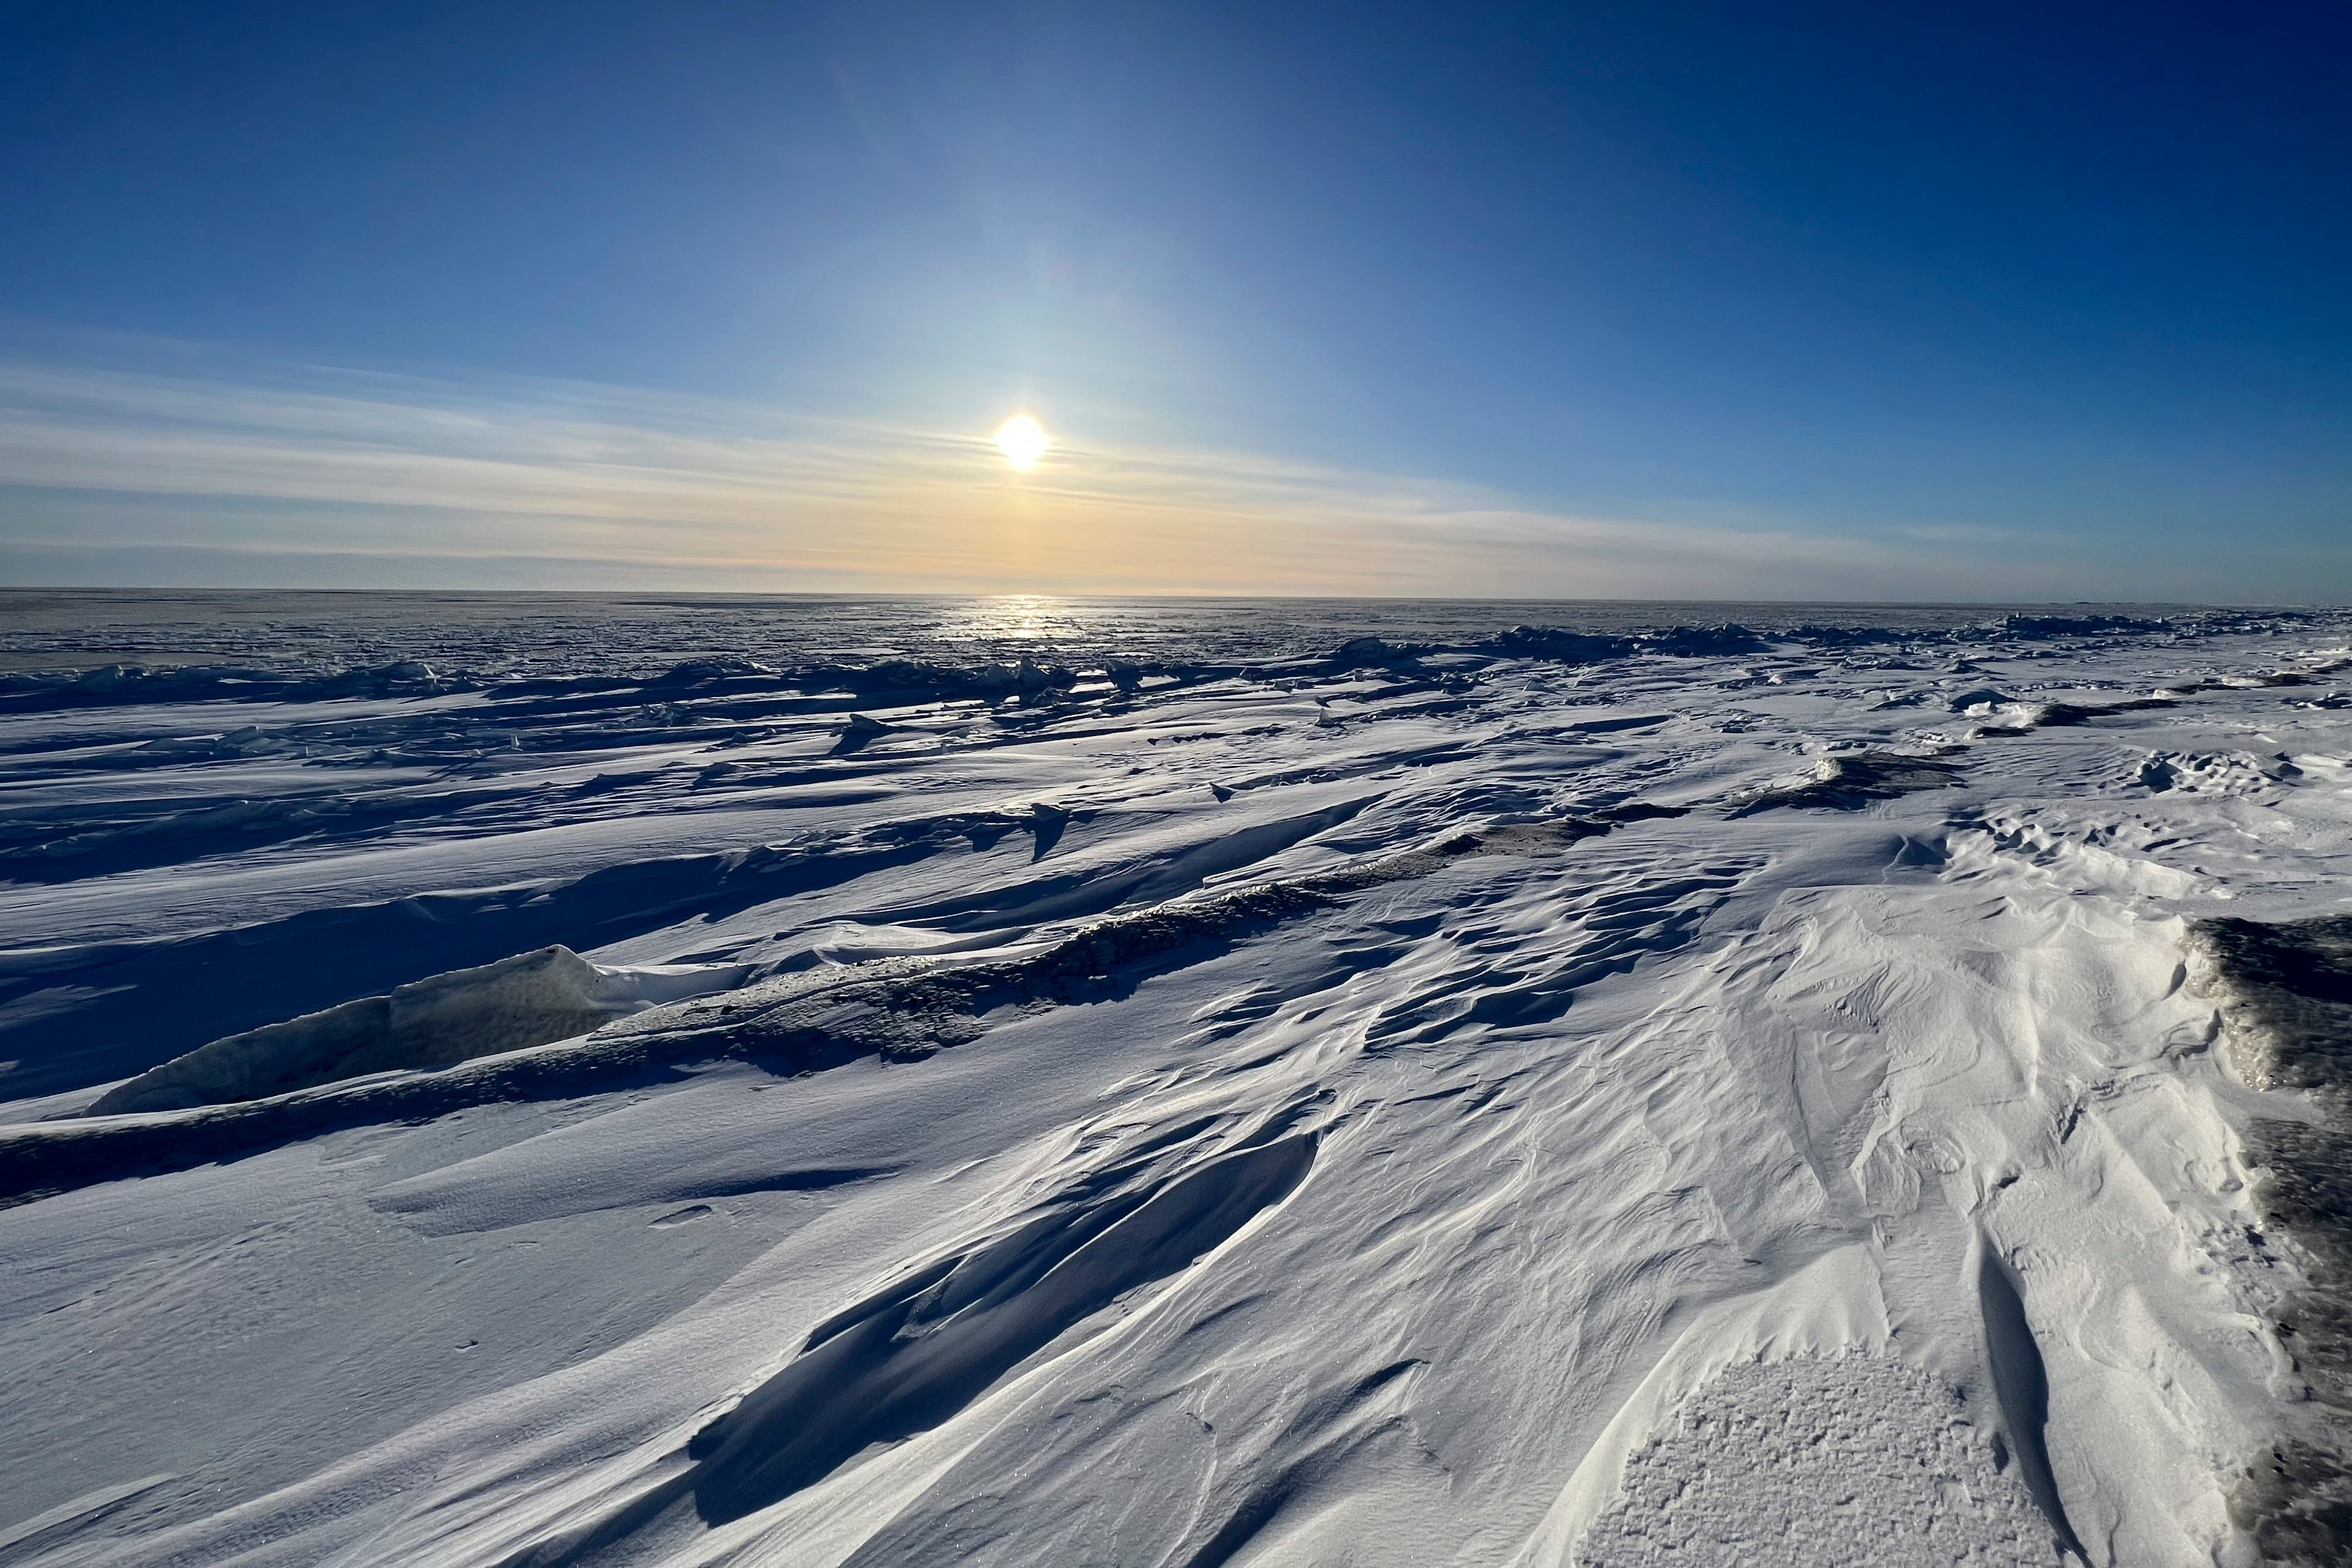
(588,633)
(532,1080)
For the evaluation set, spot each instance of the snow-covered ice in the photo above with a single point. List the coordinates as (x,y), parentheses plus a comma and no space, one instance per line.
(532,1082)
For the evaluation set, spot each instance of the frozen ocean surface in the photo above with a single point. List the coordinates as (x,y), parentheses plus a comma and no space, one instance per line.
(503,1079)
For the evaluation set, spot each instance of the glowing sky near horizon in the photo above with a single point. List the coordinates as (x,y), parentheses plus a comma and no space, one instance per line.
(1022,441)
(2032,301)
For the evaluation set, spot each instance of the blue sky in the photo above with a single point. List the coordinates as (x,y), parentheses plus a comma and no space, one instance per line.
(1874,301)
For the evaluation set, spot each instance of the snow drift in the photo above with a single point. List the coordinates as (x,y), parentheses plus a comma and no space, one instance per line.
(527,1000)
(1225,1087)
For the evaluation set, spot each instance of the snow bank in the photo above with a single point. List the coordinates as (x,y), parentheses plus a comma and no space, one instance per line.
(530,999)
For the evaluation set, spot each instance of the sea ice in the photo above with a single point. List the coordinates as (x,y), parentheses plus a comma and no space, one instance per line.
(574,1080)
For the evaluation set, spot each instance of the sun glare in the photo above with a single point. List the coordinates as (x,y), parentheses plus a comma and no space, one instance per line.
(1022,441)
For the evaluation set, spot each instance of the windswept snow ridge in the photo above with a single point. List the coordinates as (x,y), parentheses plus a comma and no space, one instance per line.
(694,1082)
(527,1000)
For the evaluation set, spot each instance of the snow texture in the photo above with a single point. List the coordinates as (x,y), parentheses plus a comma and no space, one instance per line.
(617,1080)
(1794,1462)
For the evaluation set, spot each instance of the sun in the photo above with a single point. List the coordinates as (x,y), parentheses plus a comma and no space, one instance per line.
(1022,441)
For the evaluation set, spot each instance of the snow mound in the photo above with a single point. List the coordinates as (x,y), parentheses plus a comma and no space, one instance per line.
(1705,642)
(530,999)
(2213,772)
(1852,780)
(1562,647)
(712,671)
(908,1357)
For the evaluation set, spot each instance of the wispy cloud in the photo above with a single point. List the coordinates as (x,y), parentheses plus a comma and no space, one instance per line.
(646,488)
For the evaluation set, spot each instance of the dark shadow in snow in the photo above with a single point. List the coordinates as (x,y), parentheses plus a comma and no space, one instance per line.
(530,999)
(815,1180)
(1559,646)
(117,684)
(2072,715)
(1087,891)
(2022,1388)
(123,1008)
(860,732)
(2075,715)
(897,1009)
(1046,823)
(1852,780)
(1328,1430)
(454,1207)
(167,836)
(910,1357)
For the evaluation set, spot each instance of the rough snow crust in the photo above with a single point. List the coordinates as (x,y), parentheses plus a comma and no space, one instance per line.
(1796,1462)
(1598,1094)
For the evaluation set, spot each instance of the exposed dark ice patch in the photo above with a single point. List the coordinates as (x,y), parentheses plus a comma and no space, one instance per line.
(2286,995)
